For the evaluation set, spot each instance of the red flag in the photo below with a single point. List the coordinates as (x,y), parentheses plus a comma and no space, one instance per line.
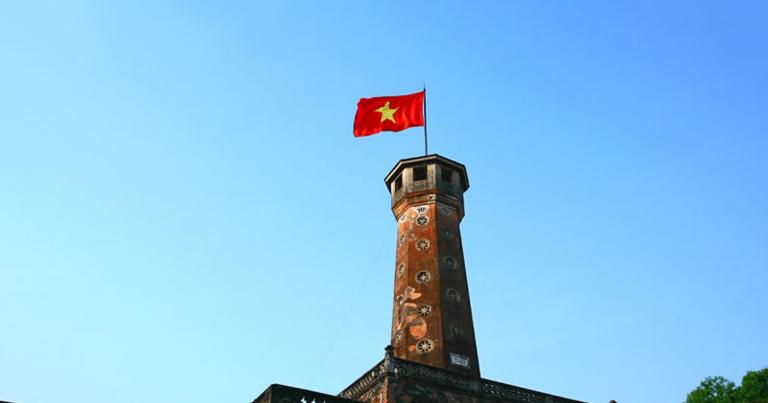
(388,114)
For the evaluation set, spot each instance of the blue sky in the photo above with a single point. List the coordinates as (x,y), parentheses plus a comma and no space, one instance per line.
(185,215)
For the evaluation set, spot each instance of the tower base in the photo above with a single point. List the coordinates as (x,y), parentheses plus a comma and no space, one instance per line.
(394,380)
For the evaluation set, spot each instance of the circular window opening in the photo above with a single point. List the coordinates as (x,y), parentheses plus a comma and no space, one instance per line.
(422,277)
(449,262)
(401,270)
(422,220)
(425,310)
(422,244)
(424,346)
(457,331)
(447,233)
(452,295)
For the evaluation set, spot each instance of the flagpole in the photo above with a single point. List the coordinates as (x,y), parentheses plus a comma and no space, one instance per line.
(426,149)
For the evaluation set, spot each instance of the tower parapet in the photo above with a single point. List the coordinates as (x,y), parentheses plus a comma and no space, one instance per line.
(429,178)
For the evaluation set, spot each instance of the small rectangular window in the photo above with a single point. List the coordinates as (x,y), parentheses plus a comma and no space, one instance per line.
(447,175)
(419,173)
(398,183)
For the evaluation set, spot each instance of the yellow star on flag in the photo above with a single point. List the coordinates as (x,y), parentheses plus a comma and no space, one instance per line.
(387,113)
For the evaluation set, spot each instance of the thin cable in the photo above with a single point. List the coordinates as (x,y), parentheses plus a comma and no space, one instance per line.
(346,317)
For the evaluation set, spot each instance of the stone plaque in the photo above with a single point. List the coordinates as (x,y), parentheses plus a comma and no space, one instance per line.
(459,360)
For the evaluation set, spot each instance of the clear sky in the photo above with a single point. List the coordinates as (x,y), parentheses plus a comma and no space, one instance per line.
(185,215)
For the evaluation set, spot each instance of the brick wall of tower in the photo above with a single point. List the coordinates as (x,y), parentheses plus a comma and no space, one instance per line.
(432,317)
(416,324)
(458,327)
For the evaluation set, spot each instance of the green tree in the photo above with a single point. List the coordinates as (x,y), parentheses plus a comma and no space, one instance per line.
(754,387)
(714,389)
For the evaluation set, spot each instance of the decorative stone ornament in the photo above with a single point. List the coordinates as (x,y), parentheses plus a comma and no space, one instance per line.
(424,346)
(452,295)
(423,277)
(398,337)
(456,330)
(447,233)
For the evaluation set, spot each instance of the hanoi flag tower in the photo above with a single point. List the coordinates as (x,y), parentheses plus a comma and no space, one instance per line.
(432,357)
(432,318)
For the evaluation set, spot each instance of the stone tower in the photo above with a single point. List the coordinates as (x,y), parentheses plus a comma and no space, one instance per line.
(432,318)
(433,356)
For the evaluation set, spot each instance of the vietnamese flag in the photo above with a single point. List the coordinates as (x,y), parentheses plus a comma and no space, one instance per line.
(390,114)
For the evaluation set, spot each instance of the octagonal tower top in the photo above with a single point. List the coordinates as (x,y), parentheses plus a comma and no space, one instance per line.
(434,177)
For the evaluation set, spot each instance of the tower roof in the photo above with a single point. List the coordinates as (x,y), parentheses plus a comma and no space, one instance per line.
(415,161)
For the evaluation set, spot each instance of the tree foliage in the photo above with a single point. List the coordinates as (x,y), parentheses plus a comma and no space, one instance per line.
(716,389)
(754,387)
